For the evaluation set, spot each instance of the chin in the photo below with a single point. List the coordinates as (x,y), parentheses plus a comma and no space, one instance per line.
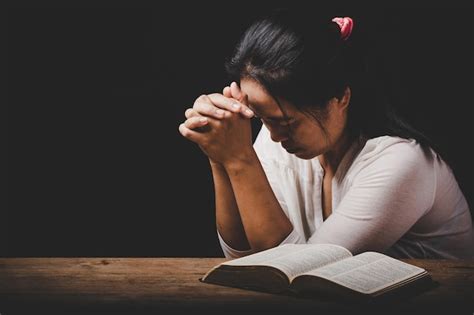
(304,155)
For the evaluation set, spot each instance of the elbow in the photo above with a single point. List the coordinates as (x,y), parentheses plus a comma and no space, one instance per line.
(265,242)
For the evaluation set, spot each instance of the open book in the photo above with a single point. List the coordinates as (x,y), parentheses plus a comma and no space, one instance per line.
(318,269)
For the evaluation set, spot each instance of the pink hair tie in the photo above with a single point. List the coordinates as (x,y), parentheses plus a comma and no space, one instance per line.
(345,24)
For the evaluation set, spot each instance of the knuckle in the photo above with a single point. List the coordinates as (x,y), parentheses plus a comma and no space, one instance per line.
(200,108)
(194,121)
(204,98)
(207,108)
(189,112)
(184,131)
(201,97)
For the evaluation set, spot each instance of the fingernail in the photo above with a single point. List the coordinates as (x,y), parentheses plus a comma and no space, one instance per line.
(249,112)
(220,112)
(203,119)
(235,106)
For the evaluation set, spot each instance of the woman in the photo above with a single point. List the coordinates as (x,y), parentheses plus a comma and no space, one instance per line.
(330,164)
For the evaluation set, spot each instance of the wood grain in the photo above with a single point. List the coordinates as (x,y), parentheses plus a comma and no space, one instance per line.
(150,284)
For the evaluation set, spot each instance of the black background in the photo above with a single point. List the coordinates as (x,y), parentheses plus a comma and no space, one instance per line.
(92,161)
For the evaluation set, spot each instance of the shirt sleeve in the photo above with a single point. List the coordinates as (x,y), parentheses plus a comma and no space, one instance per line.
(387,197)
(229,252)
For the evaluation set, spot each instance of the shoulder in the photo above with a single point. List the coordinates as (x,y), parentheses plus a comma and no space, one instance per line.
(396,148)
(394,156)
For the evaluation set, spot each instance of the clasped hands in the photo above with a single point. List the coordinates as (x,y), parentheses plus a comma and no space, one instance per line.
(220,125)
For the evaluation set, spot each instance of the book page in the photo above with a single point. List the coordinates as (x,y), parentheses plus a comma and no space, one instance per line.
(265,256)
(368,272)
(294,259)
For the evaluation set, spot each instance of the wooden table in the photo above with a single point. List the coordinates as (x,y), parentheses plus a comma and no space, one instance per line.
(156,284)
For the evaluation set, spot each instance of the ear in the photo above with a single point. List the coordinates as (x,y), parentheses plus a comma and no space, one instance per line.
(343,103)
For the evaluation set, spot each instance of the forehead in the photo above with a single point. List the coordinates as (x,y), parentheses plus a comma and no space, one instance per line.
(260,101)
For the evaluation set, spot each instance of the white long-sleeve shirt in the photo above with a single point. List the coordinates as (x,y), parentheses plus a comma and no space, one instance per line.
(387,196)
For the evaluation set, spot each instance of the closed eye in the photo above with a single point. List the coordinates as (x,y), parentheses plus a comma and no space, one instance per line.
(279,122)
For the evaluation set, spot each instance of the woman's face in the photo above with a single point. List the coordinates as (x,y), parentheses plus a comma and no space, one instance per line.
(297,132)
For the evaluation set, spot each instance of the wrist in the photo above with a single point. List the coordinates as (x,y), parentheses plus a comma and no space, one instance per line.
(216,165)
(241,162)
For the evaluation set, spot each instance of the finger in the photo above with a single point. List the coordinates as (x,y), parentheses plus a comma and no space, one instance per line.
(235,91)
(227,92)
(189,134)
(190,112)
(230,104)
(206,109)
(238,94)
(195,122)
(224,102)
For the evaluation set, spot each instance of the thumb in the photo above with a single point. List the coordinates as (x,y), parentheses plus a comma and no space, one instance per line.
(240,96)
(237,93)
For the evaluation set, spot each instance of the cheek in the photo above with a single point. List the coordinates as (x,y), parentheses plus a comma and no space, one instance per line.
(312,139)
(309,134)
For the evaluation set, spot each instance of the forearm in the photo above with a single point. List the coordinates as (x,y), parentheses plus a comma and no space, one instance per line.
(266,225)
(228,219)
